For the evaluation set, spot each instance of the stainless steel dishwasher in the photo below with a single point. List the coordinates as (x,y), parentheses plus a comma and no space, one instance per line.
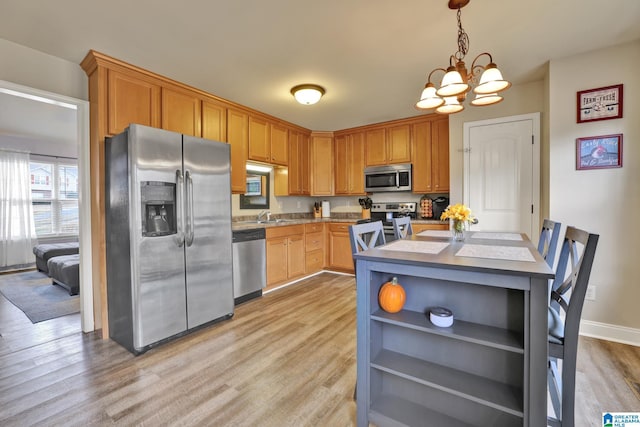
(249,264)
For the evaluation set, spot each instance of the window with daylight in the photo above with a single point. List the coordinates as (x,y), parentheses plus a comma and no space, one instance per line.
(54,194)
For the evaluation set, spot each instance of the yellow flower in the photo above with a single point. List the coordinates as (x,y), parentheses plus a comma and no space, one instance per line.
(457,212)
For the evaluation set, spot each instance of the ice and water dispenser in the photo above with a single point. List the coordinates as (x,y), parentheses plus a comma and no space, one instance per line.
(158,208)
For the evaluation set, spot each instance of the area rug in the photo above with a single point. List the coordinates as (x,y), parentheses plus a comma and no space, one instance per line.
(33,293)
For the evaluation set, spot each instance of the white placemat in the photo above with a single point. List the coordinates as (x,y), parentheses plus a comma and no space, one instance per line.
(508,253)
(435,233)
(496,236)
(415,246)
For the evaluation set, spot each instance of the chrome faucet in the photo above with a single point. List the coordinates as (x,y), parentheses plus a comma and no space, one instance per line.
(262,214)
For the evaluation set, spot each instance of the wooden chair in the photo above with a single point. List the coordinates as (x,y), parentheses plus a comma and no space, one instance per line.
(567,295)
(402,227)
(549,240)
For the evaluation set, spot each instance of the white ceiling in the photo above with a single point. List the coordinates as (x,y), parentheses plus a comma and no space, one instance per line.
(372,56)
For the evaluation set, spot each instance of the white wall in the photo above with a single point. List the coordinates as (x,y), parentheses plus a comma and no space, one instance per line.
(607,201)
(33,68)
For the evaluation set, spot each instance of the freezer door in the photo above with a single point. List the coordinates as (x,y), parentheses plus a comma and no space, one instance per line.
(158,265)
(208,230)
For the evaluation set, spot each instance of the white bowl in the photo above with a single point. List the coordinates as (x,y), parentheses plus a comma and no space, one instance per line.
(441,316)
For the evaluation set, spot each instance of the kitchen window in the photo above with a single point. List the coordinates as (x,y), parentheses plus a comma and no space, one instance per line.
(54,194)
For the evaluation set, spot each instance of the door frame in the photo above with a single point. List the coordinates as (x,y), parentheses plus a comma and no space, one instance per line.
(535,179)
(84,199)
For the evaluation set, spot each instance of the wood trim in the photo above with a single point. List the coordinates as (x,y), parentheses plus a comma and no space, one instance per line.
(94,59)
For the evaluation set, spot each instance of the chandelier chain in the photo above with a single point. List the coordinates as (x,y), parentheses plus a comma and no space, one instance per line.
(463,39)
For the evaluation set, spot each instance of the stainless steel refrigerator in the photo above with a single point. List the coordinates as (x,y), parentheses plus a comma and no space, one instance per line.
(168,235)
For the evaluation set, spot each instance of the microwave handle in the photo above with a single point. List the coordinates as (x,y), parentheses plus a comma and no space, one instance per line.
(397,179)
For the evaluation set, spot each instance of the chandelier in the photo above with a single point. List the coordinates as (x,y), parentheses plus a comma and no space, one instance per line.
(457,81)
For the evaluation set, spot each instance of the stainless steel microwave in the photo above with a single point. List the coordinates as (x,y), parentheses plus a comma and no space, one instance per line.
(387,178)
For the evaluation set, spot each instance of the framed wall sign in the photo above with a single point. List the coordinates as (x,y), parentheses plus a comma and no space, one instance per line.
(603,103)
(599,152)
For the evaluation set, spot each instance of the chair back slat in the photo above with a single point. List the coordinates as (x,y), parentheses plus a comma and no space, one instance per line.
(549,240)
(402,227)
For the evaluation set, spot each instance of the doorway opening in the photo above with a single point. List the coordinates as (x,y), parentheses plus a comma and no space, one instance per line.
(33,116)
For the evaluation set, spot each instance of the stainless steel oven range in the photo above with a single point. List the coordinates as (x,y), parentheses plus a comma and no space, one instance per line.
(385,212)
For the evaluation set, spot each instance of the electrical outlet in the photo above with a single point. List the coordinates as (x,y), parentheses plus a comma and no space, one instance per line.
(299,204)
(591,293)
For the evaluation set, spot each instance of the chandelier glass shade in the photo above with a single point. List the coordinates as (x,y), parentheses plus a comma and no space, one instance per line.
(457,81)
(307,94)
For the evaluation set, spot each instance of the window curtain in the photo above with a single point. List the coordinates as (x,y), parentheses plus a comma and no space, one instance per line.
(17,226)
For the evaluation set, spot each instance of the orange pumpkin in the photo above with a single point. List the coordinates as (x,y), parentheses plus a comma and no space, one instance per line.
(392,296)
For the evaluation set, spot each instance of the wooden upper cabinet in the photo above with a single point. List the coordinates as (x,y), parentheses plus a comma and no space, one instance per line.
(238,138)
(376,140)
(305,175)
(181,111)
(388,145)
(131,99)
(321,164)
(440,155)
(399,144)
(268,141)
(431,156)
(298,174)
(259,139)
(279,144)
(341,177)
(349,164)
(214,121)
(421,171)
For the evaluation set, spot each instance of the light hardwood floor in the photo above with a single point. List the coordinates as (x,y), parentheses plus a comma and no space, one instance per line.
(286,359)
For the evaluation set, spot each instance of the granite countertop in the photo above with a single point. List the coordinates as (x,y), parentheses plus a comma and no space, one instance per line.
(245,223)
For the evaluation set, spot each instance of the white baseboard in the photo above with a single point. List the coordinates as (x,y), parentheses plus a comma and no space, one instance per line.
(605,331)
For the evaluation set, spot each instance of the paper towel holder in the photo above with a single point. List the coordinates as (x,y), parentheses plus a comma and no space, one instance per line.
(326,209)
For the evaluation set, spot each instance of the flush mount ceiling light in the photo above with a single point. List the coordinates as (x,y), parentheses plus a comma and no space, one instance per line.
(307,94)
(457,81)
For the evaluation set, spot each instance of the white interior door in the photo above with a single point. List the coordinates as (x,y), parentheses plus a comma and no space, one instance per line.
(502,173)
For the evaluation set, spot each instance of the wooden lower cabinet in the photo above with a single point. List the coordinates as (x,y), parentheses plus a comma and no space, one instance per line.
(339,248)
(421,227)
(285,253)
(314,248)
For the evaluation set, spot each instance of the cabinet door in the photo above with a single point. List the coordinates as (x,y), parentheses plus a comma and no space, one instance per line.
(399,144)
(238,137)
(259,140)
(277,260)
(214,121)
(279,144)
(421,227)
(131,100)
(341,165)
(295,172)
(376,147)
(421,173)
(356,163)
(321,164)
(440,155)
(181,112)
(295,256)
(305,170)
(340,256)
(298,176)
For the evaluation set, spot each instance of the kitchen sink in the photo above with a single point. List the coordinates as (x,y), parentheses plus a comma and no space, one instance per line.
(264,221)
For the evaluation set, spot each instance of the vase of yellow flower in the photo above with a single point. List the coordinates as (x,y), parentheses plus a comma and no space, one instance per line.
(459,217)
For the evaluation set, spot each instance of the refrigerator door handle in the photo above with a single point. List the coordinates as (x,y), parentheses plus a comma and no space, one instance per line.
(189,206)
(179,208)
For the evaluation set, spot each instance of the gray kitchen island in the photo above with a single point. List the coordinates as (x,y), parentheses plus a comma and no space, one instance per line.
(489,367)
